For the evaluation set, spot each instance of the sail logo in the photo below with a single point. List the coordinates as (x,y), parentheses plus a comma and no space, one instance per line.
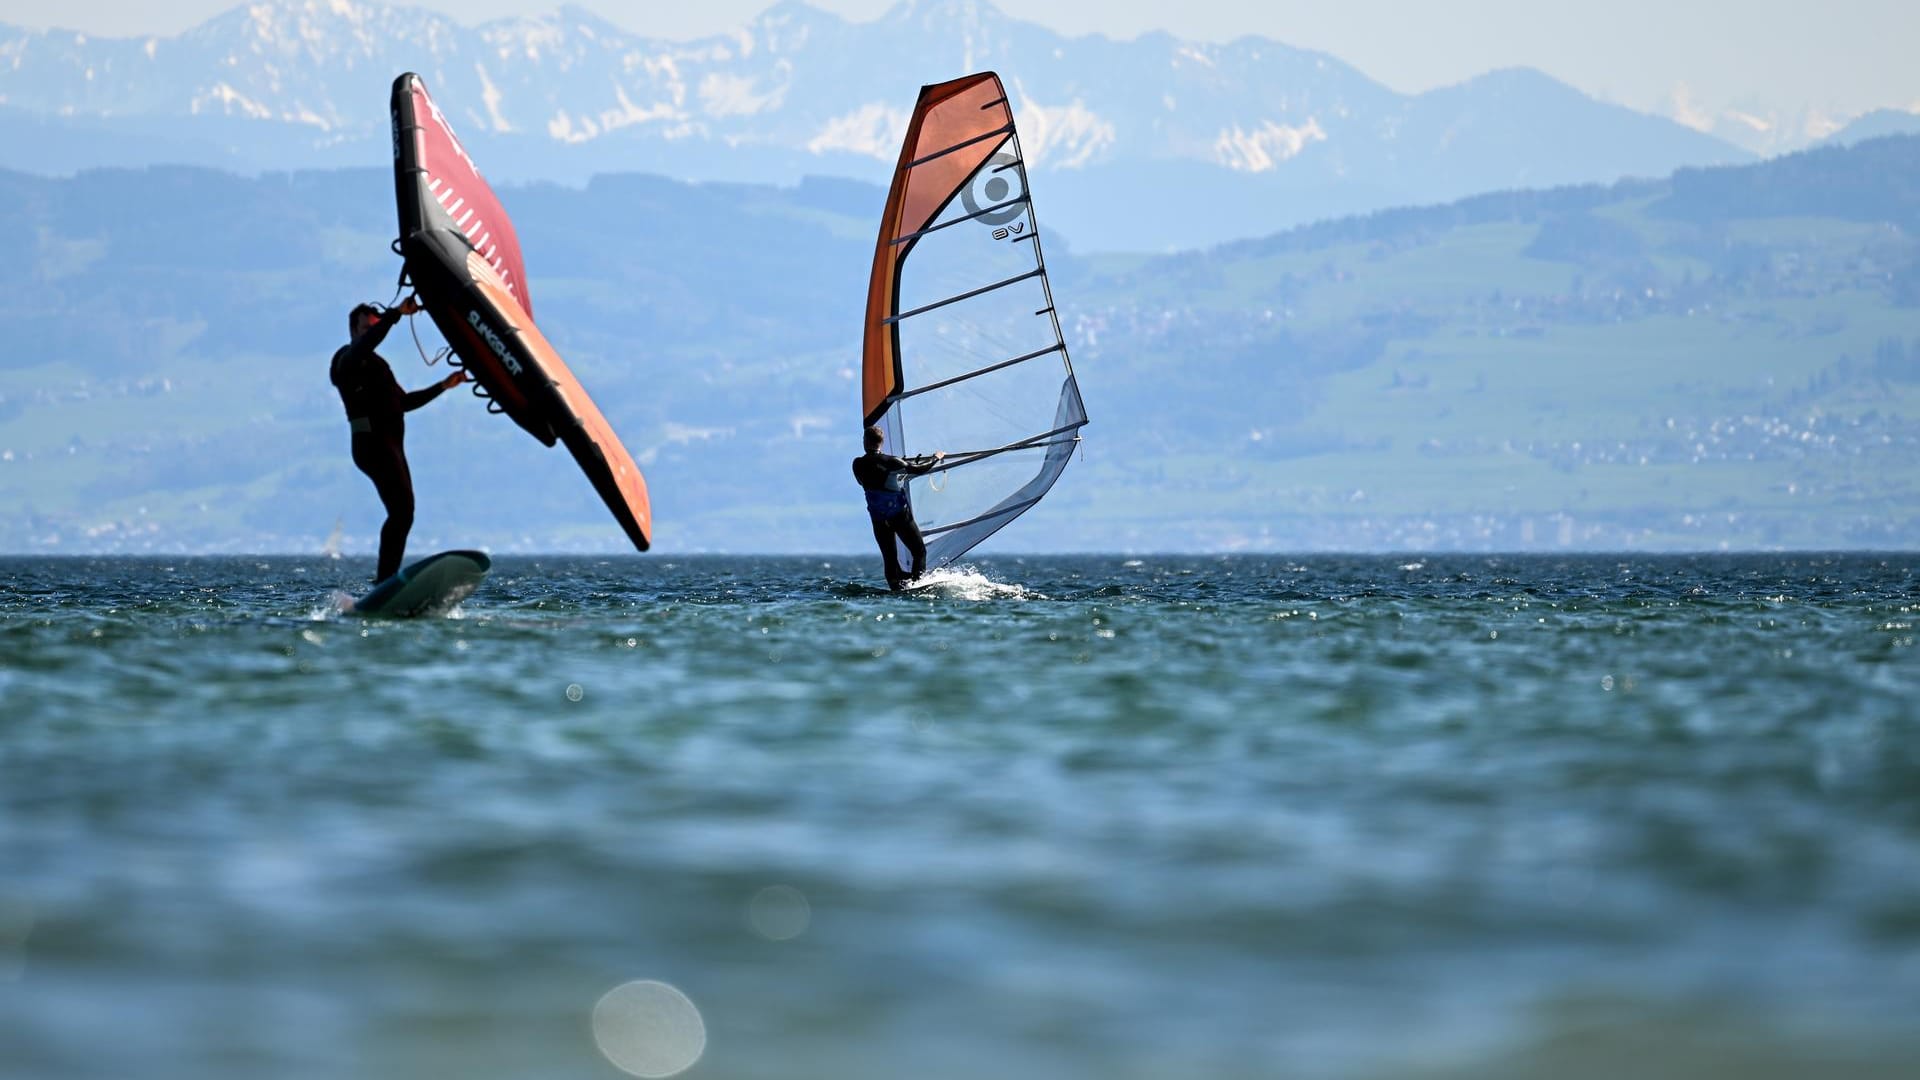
(493,341)
(997,193)
(1015,230)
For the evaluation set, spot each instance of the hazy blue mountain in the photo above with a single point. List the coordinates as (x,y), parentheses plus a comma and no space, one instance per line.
(1729,355)
(1875,124)
(1155,142)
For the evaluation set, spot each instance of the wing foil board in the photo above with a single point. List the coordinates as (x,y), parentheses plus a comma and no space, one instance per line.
(431,586)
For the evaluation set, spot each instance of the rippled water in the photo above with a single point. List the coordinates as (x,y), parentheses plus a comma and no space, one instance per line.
(1061,818)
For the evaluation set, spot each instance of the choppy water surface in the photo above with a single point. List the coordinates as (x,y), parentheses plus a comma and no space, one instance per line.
(1242,817)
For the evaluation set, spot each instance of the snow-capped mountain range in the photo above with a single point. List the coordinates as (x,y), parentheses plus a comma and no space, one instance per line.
(1191,142)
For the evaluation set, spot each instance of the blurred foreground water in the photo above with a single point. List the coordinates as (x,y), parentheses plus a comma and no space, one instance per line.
(1051,818)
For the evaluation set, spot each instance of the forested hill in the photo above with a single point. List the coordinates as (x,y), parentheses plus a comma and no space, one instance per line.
(1874,181)
(1725,356)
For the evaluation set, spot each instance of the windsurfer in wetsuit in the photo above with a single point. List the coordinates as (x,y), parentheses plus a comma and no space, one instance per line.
(376,410)
(884,477)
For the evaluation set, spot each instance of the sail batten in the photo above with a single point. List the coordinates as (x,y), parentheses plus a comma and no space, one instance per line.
(981,291)
(975,216)
(989,369)
(983,137)
(963,344)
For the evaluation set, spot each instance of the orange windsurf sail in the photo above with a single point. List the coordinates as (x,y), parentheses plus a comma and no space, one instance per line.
(963,350)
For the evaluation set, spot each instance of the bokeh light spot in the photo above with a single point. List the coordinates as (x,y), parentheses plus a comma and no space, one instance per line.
(647,1028)
(779,913)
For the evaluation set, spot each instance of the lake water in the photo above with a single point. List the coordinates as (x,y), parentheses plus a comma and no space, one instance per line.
(1068,818)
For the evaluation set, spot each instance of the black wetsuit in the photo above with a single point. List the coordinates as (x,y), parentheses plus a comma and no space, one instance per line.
(882,476)
(376,410)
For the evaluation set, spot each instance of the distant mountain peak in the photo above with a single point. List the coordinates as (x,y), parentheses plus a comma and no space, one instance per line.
(1878,124)
(284,81)
(1519,79)
(788,13)
(1753,126)
(936,11)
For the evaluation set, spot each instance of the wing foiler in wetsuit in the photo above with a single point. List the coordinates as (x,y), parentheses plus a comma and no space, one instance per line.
(884,478)
(376,411)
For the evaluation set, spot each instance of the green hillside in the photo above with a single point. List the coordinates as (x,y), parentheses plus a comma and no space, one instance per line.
(1724,357)
(1732,356)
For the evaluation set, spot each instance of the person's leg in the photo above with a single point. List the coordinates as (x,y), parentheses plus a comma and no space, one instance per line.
(397,494)
(386,466)
(908,531)
(889,555)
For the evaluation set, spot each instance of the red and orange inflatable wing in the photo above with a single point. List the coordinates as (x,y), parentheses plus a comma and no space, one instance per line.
(464,260)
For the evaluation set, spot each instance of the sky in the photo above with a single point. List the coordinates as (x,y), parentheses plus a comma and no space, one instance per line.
(1693,58)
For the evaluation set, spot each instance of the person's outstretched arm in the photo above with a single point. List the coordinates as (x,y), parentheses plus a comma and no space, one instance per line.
(361,349)
(921,466)
(420,397)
